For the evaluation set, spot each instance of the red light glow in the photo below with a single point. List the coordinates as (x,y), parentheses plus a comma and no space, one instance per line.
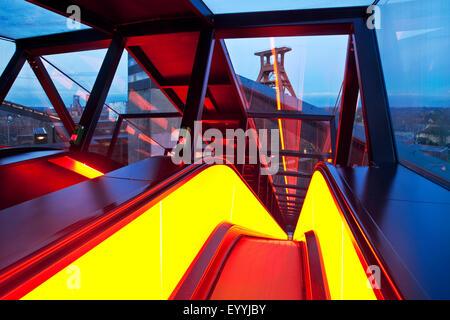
(76,166)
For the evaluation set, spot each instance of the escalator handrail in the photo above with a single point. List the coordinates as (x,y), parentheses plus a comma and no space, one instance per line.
(316,283)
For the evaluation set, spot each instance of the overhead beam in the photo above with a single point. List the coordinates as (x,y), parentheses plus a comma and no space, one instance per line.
(348,108)
(290,186)
(170,83)
(311,29)
(114,137)
(91,39)
(11,72)
(195,100)
(290,115)
(236,25)
(202,11)
(81,40)
(149,115)
(289,195)
(374,99)
(290,209)
(302,155)
(292,206)
(97,99)
(141,58)
(52,93)
(291,201)
(155,27)
(330,21)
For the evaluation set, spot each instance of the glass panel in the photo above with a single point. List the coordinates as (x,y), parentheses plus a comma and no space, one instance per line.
(358,149)
(82,66)
(144,96)
(233,6)
(74,76)
(313,65)
(7,49)
(310,75)
(132,92)
(414,48)
(133,139)
(21,19)
(300,75)
(27,117)
(134,145)
(101,139)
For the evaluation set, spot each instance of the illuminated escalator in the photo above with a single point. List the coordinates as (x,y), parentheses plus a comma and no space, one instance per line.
(199,234)
(247,266)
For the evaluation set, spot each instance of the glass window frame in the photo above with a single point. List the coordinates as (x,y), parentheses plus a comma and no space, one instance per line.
(402,160)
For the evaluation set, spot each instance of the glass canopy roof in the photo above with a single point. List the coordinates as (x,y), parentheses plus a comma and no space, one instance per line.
(21,19)
(234,6)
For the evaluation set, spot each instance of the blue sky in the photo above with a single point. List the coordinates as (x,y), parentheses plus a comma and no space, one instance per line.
(29,20)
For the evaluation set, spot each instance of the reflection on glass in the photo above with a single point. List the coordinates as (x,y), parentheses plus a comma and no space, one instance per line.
(103,133)
(22,19)
(74,75)
(141,143)
(134,94)
(301,75)
(358,149)
(313,65)
(132,142)
(144,96)
(414,48)
(27,116)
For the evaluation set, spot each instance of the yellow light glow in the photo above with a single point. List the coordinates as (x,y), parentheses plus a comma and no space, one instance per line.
(346,276)
(76,166)
(147,258)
